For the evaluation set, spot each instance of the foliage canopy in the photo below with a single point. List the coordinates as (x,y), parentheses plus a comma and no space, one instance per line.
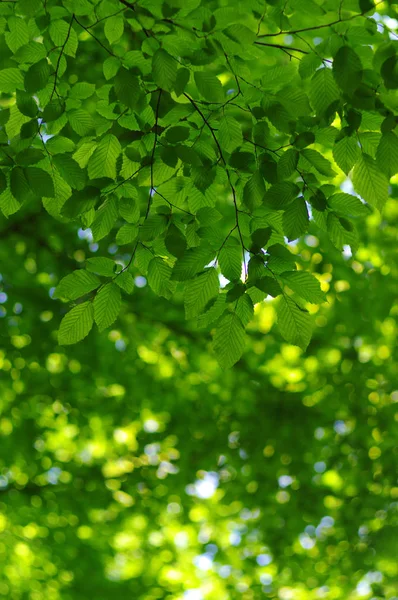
(201,138)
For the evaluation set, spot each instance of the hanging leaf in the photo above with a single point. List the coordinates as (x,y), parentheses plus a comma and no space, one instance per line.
(107,304)
(229,340)
(76,324)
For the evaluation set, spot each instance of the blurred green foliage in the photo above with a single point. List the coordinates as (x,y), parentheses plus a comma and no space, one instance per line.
(132,467)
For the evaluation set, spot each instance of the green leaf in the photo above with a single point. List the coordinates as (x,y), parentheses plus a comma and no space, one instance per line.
(295,219)
(76,324)
(107,304)
(175,242)
(229,340)
(3,182)
(346,153)
(294,323)
(254,190)
(245,309)
(63,35)
(105,218)
(230,259)
(199,291)
(164,70)
(8,203)
(387,154)
(101,266)
(129,210)
(81,121)
(348,205)
(113,29)
(209,86)
(193,261)
(369,182)
(323,90)
(18,35)
(127,234)
(19,186)
(127,88)
(11,80)
(30,53)
(303,140)
(37,76)
(102,162)
(321,164)
(287,164)
(70,171)
(182,79)
(111,66)
(347,69)
(305,285)
(152,227)
(40,182)
(125,281)
(76,284)
(159,274)
(230,133)
(280,195)
(26,104)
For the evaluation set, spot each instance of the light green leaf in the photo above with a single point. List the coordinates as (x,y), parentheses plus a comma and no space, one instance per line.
(113,29)
(101,266)
(11,80)
(107,304)
(76,284)
(323,90)
(244,308)
(126,234)
(229,340)
(229,133)
(295,219)
(193,261)
(254,190)
(209,86)
(280,195)
(294,323)
(305,285)
(369,182)
(76,324)
(18,35)
(125,281)
(30,53)
(348,205)
(346,153)
(61,33)
(287,164)
(159,274)
(81,121)
(321,164)
(230,259)
(387,154)
(103,161)
(105,218)
(164,70)
(129,210)
(199,291)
